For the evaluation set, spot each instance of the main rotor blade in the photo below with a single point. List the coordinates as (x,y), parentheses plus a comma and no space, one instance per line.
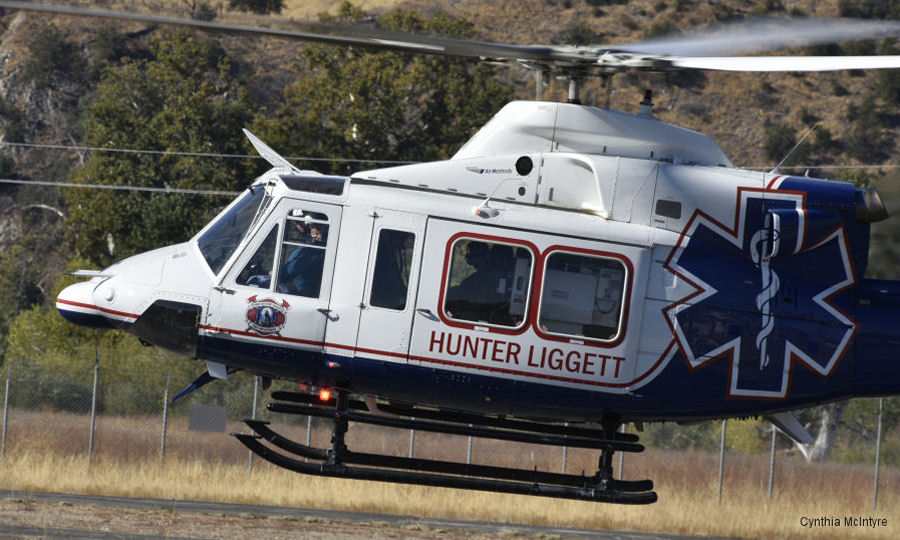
(763,35)
(688,51)
(362,38)
(785,63)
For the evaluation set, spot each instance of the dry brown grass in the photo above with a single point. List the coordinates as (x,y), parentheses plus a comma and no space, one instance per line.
(212,466)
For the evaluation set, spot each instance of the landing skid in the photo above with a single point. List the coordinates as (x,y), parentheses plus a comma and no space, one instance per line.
(339,461)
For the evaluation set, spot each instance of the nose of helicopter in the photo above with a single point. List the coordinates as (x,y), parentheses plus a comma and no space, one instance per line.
(77,305)
(109,299)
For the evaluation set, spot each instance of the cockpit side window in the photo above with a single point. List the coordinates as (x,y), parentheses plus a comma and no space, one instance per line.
(303,254)
(219,242)
(258,270)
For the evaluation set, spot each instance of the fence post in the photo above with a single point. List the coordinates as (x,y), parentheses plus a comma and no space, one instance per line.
(565,455)
(622,429)
(722,457)
(5,412)
(877,453)
(94,409)
(772,462)
(412,440)
(253,416)
(469,450)
(165,419)
(308,433)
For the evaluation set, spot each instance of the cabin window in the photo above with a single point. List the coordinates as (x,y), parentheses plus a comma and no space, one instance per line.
(582,296)
(488,283)
(258,270)
(390,280)
(303,254)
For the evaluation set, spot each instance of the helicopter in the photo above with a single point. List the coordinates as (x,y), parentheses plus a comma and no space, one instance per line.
(569,270)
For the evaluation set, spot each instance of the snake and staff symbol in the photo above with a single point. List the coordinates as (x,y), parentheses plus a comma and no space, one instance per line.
(763,239)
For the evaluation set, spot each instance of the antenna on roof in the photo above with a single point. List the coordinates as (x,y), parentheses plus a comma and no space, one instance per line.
(268,154)
(803,138)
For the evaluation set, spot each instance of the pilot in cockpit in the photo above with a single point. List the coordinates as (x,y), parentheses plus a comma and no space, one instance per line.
(301,267)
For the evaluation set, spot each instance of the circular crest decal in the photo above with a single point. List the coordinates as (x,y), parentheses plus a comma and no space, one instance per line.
(266,316)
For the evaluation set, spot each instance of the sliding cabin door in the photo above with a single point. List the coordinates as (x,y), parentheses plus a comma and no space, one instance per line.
(392,280)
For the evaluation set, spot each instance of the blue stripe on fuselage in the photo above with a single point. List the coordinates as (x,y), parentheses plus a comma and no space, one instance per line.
(676,394)
(90,320)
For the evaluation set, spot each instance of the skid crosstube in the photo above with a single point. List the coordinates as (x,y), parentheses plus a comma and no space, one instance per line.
(339,461)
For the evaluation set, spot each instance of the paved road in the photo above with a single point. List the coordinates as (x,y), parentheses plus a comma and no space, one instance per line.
(227,509)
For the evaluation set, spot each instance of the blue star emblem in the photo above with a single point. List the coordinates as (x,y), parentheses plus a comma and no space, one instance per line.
(762,299)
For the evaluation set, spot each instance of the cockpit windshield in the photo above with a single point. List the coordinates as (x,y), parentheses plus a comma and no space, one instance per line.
(220,241)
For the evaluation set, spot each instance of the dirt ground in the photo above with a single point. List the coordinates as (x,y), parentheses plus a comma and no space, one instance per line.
(28,518)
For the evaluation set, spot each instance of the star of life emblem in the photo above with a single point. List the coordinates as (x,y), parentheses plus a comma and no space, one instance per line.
(763,293)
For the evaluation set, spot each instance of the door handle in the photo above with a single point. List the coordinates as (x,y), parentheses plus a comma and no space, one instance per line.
(324,311)
(427,313)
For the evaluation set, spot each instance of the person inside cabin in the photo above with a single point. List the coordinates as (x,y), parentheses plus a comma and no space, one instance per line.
(315,235)
(301,268)
(299,234)
(258,271)
(476,296)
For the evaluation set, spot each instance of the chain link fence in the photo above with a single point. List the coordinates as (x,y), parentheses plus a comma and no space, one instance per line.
(107,418)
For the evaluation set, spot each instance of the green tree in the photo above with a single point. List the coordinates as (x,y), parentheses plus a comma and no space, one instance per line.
(12,124)
(183,99)
(46,347)
(779,139)
(864,138)
(261,7)
(579,32)
(359,104)
(884,250)
(889,79)
(870,9)
(661,27)
(34,254)
(52,56)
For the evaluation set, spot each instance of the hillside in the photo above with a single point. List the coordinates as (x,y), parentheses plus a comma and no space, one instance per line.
(755,117)
(736,109)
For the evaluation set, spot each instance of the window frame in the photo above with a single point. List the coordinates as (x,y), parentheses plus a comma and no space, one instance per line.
(374,255)
(213,233)
(445,283)
(277,228)
(279,254)
(627,286)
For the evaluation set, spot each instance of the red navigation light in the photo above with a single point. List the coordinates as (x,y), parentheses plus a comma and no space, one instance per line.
(324,394)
